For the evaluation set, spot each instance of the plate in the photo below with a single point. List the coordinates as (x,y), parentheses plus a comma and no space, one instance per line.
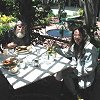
(8,66)
(23,52)
(5,67)
(10,73)
(22,49)
(22,46)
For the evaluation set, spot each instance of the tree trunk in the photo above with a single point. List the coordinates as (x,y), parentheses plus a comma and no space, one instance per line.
(98,11)
(91,10)
(25,8)
(3,8)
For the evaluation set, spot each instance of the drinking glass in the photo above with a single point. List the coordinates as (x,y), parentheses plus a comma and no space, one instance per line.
(28,62)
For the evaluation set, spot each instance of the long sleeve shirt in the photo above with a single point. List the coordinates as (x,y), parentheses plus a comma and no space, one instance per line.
(85,65)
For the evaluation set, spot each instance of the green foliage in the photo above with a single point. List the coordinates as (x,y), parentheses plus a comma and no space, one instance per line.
(6,23)
(81,12)
(39,11)
(11,7)
(51,14)
(42,13)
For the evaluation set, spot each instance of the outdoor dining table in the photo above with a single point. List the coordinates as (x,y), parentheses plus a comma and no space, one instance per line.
(32,73)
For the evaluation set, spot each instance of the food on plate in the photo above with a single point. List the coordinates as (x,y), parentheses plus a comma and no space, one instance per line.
(20,48)
(13,69)
(9,61)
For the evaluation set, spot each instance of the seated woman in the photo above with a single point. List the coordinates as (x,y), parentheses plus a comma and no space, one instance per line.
(18,36)
(84,61)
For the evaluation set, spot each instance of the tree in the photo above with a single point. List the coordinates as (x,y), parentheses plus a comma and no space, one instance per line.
(8,7)
(25,9)
(2,6)
(61,7)
(91,11)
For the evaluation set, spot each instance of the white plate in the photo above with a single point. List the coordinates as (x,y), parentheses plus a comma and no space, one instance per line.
(22,52)
(26,52)
(10,73)
(22,46)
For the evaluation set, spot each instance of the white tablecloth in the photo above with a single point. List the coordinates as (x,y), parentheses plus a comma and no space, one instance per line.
(30,74)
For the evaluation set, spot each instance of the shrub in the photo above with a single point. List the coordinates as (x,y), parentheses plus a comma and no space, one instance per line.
(6,23)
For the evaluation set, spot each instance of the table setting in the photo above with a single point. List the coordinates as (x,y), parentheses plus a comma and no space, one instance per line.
(22,68)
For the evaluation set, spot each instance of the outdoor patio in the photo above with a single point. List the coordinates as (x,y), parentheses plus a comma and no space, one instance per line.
(50,86)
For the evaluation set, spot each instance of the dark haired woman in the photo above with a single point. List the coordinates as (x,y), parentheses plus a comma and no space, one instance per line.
(84,61)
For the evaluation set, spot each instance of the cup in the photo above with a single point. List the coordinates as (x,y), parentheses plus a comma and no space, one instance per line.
(21,65)
(28,62)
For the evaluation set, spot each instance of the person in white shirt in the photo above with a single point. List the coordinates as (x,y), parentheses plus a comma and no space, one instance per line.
(84,61)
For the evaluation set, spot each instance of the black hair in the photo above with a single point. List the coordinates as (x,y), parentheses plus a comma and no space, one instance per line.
(83,32)
(79,49)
